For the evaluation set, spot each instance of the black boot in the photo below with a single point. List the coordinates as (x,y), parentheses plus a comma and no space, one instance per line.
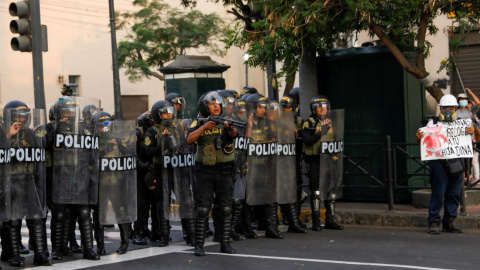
(39,242)
(290,213)
(201,218)
(85,225)
(188,225)
(272,222)
(329,216)
(226,214)
(164,227)
(66,227)
(298,210)
(247,221)
(138,238)
(316,226)
(99,233)
(13,228)
(124,235)
(56,233)
(237,210)
(6,253)
(72,237)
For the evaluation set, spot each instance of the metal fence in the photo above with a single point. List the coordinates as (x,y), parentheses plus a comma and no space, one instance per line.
(401,166)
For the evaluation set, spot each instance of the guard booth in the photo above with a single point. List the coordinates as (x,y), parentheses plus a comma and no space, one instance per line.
(380,98)
(192,76)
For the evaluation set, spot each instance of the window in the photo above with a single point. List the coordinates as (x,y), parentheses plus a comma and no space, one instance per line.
(74,79)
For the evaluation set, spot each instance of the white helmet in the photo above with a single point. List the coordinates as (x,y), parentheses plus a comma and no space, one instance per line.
(448,100)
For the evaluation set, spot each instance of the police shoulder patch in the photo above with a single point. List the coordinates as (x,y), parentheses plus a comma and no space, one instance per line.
(305,124)
(41,133)
(194,123)
(148,141)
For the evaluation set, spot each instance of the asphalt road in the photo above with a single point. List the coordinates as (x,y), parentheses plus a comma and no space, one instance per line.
(353,248)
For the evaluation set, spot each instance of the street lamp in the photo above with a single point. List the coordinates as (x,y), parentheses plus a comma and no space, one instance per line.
(245,57)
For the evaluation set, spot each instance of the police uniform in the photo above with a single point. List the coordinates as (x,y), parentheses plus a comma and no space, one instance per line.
(214,179)
(313,134)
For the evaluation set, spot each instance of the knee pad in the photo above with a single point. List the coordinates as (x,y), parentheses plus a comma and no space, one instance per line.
(202,212)
(83,213)
(226,211)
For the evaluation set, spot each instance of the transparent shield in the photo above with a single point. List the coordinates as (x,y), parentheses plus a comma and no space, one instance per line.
(24,164)
(75,155)
(261,159)
(331,157)
(286,157)
(118,173)
(178,168)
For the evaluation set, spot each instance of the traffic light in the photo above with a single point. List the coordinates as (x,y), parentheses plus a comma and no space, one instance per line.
(21,26)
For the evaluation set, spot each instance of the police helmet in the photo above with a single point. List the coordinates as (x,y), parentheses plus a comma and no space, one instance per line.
(248,90)
(228,96)
(18,110)
(51,113)
(255,100)
(235,93)
(159,107)
(176,98)
(287,101)
(145,120)
(274,105)
(64,105)
(205,99)
(101,116)
(318,101)
(87,113)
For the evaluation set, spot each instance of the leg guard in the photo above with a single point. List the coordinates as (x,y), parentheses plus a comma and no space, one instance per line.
(13,231)
(124,236)
(272,222)
(38,231)
(329,216)
(226,215)
(85,225)
(201,215)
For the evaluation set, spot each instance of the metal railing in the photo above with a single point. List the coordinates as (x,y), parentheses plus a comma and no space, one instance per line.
(401,164)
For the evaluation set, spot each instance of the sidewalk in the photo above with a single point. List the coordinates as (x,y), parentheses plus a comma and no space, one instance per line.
(402,215)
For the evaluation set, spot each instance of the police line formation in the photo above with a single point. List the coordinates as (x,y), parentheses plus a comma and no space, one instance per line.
(239,160)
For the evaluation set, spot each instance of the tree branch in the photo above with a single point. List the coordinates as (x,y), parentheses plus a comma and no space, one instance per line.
(158,75)
(422,32)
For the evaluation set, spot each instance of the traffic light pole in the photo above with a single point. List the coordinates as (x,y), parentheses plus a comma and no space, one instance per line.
(117,98)
(37,57)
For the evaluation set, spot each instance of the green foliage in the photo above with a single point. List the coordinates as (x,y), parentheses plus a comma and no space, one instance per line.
(158,33)
(291,29)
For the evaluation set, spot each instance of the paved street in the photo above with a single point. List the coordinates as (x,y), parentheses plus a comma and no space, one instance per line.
(354,248)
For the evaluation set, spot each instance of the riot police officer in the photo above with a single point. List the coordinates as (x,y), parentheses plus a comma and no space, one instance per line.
(248,90)
(261,176)
(162,111)
(318,128)
(179,102)
(27,184)
(214,170)
(75,184)
(288,103)
(144,164)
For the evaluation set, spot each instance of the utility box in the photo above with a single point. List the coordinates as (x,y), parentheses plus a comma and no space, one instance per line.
(380,98)
(191,77)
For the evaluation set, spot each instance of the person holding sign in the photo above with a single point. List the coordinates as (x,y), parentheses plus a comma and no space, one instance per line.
(444,142)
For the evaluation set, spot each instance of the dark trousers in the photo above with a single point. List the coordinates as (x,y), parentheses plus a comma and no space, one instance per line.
(446,191)
(214,185)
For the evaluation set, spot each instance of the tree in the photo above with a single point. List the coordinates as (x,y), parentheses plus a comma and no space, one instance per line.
(157,33)
(290,31)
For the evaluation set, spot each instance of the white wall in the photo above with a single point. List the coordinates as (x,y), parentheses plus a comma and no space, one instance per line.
(79,44)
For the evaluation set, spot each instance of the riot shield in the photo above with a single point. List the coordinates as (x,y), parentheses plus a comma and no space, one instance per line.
(4,193)
(261,159)
(24,163)
(178,169)
(75,153)
(286,169)
(240,164)
(331,157)
(118,172)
